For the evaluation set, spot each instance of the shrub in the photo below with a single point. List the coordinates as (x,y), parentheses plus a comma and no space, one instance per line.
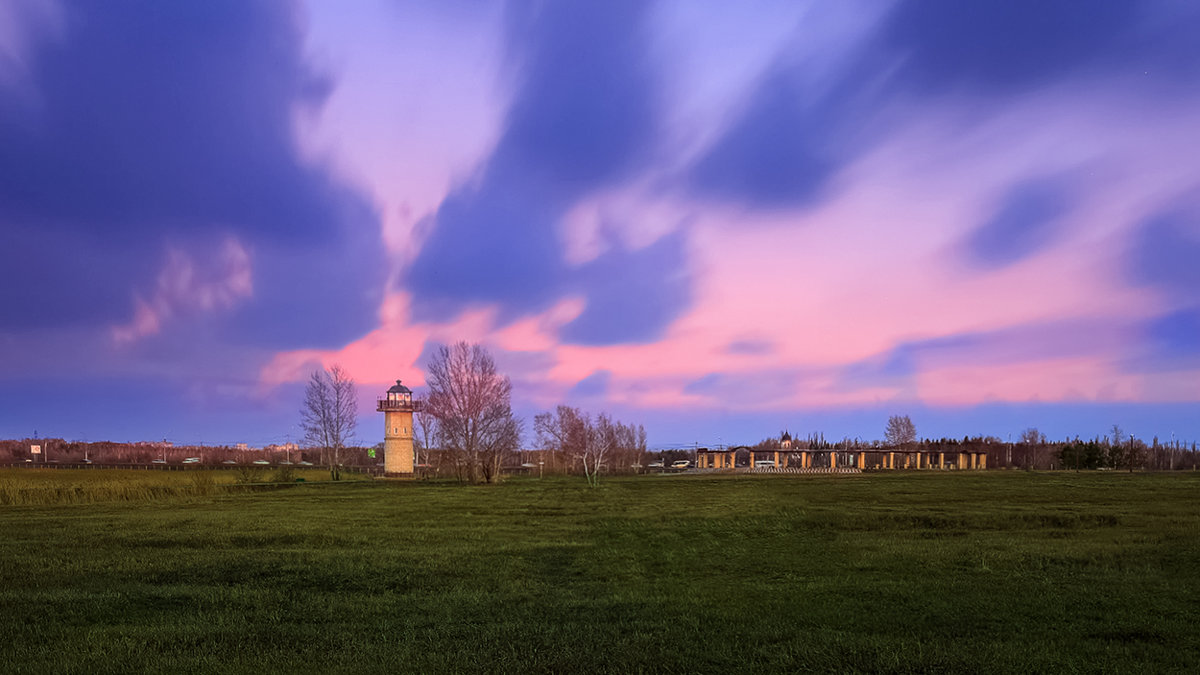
(203,482)
(248,474)
(284,474)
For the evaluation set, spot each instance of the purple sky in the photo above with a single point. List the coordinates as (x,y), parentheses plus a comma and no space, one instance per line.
(718,219)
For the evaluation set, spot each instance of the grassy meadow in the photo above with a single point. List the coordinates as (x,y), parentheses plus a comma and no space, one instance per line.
(903,572)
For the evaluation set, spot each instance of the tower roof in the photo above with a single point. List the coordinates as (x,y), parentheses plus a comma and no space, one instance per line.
(399,389)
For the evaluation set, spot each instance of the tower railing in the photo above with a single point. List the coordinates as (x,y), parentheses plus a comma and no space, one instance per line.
(389,405)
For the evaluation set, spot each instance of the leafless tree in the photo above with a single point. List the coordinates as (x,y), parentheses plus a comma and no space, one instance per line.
(426,431)
(330,414)
(573,433)
(603,439)
(1033,440)
(639,445)
(1116,434)
(900,431)
(471,403)
(563,432)
(1032,436)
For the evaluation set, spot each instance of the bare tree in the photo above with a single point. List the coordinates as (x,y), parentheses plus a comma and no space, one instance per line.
(330,414)
(572,432)
(1033,440)
(639,445)
(900,431)
(603,438)
(1032,436)
(426,431)
(1115,451)
(1117,434)
(471,403)
(563,432)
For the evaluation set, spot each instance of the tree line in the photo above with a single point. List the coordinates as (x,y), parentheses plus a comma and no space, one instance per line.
(1032,450)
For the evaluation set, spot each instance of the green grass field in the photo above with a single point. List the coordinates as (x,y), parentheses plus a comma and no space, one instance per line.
(925,572)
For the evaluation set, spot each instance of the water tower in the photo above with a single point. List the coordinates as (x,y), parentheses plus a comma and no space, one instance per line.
(397,408)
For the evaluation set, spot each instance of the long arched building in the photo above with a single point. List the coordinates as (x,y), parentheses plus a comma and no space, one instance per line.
(805,459)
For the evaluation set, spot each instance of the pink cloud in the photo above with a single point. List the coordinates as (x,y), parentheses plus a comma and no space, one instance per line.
(190,283)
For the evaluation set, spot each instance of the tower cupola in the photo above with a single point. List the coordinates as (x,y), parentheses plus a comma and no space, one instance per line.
(399,397)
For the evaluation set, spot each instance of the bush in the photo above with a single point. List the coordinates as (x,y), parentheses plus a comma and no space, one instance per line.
(203,482)
(284,474)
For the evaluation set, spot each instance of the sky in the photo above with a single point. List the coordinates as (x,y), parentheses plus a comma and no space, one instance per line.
(721,220)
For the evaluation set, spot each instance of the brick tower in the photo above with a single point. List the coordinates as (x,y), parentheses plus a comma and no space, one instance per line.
(397,408)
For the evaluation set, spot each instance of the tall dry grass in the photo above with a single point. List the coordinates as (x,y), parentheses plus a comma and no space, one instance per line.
(44,487)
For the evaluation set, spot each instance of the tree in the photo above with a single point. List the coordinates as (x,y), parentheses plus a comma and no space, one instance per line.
(426,431)
(1032,436)
(563,432)
(1033,440)
(330,414)
(571,432)
(639,445)
(472,404)
(1129,455)
(900,431)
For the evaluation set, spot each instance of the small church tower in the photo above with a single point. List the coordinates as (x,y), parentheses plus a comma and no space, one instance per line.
(397,408)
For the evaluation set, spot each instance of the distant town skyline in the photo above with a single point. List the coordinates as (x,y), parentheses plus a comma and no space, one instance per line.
(717,220)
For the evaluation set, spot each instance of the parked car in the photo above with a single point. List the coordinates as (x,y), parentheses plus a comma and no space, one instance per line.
(260,462)
(764,462)
(304,463)
(654,465)
(158,461)
(681,464)
(230,461)
(192,460)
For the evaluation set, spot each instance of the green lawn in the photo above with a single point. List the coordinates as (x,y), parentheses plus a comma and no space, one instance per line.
(918,572)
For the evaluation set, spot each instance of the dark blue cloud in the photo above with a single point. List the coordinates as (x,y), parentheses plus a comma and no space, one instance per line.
(705,385)
(632,294)
(584,112)
(1164,255)
(592,386)
(493,245)
(1023,222)
(1165,251)
(780,151)
(149,123)
(789,140)
(1006,44)
(896,367)
(1176,336)
(583,118)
